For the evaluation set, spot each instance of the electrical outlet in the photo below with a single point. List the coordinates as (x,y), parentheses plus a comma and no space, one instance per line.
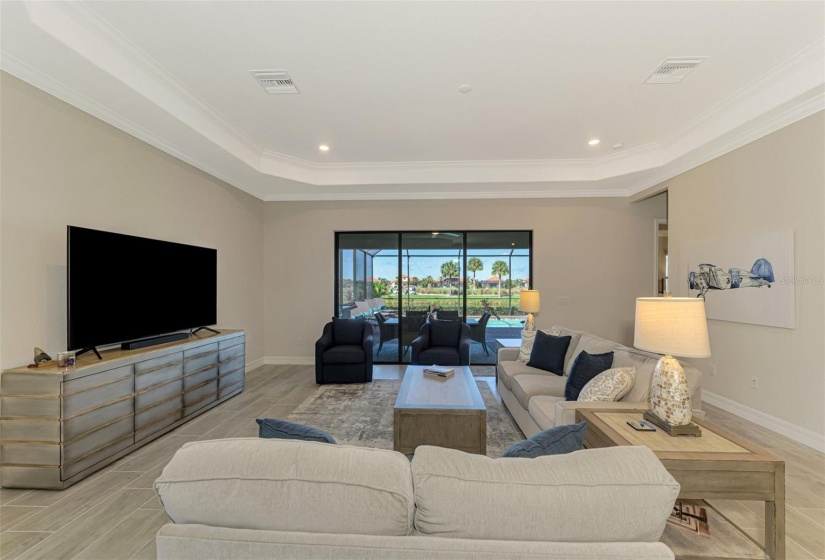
(754,383)
(563,300)
(712,370)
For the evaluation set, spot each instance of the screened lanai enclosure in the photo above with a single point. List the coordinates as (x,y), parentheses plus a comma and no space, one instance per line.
(398,280)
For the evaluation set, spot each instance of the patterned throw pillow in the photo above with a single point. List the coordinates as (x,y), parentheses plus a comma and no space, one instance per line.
(528,338)
(609,386)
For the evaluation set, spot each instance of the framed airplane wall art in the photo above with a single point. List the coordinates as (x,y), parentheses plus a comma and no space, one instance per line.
(744,280)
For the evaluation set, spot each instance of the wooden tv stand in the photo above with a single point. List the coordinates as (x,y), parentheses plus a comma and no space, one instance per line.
(59,425)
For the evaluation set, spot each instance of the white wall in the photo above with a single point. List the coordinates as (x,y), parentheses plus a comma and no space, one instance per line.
(776,183)
(596,251)
(62,166)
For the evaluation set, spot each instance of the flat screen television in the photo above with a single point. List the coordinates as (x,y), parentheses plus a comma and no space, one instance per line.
(123,288)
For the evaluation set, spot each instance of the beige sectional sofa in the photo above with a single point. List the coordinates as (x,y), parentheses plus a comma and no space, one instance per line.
(535,397)
(267,498)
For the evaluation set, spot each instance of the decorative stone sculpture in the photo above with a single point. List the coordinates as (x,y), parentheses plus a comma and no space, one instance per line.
(40,356)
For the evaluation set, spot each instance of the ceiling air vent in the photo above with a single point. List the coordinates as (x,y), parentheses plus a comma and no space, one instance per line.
(673,70)
(275,81)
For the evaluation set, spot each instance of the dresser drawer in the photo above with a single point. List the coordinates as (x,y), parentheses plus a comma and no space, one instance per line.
(230,353)
(234,341)
(161,410)
(200,377)
(102,454)
(82,423)
(158,363)
(158,394)
(200,362)
(230,379)
(235,364)
(230,390)
(30,407)
(194,395)
(94,441)
(29,453)
(96,380)
(200,350)
(158,376)
(30,430)
(95,398)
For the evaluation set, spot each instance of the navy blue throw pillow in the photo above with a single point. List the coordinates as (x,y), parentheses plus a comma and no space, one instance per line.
(586,367)
(281,429)
(548,352)
(445,333)
(347,331)
(555,441)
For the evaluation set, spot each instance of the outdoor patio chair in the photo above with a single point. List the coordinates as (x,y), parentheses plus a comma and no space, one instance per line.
(448,315)
(443,343)
(478,332)
(386,332)
(343,354)
(412,325)
(361,309)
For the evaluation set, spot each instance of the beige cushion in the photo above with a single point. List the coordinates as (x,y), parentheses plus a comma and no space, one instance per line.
(507,370)
(593,345)
(199,542)
(525,387)
(644,363)
(288,485)
(616,494)
(609,386)
(542,410)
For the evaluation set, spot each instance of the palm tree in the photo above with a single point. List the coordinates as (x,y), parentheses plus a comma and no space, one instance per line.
(449,270)
(475,264)
(500,268)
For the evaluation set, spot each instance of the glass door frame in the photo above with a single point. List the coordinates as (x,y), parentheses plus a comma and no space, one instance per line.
(400,234)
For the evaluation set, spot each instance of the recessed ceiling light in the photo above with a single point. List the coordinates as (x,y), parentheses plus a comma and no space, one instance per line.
(594,141)
(323,148)
(465,88)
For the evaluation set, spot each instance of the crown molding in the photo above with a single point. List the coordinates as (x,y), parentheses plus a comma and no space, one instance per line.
(789,92)
(447,195)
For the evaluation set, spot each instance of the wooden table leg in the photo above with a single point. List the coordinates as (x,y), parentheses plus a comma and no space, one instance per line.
(775,518)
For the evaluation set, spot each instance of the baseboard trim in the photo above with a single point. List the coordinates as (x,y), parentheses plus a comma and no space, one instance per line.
(289,360)
(782,427)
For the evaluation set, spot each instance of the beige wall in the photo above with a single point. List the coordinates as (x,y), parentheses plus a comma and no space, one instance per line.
(62,166)
(596,251)
(775,183)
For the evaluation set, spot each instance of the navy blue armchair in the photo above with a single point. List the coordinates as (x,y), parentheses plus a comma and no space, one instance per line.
(343,354)
(443,343)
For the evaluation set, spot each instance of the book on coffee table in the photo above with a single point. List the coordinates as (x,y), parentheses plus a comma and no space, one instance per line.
(439,371)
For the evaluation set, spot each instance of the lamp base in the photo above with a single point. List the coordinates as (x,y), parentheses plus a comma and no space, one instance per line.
(671,429)
(530,323)
(669,393)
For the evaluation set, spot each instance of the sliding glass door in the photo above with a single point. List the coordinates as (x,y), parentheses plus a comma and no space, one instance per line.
(400,280)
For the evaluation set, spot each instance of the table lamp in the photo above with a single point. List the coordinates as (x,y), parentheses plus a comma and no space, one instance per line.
(674,327)
(530,303)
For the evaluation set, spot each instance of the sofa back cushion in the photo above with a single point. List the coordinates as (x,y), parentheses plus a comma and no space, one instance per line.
(575,336)
(347,331)
(592,345)
(282,485)
(445,333)
(616,494)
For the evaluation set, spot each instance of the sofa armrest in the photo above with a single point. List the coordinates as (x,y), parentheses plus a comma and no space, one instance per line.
(322,345)
(566,410)
(507,355)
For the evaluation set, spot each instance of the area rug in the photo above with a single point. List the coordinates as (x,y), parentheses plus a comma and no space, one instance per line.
(362,414)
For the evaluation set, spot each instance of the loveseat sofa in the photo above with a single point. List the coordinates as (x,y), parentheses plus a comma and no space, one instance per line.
(535,397)
(287,499)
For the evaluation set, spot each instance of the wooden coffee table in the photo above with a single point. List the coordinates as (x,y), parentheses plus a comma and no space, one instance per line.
(717,465)
(444,412)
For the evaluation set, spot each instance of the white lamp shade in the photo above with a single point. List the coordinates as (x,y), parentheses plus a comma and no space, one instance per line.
(672,326)
(529,301)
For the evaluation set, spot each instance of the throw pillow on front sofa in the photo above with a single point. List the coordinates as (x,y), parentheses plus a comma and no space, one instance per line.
(555,441)
(283,429)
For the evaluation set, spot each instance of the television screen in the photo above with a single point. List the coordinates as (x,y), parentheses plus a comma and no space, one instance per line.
(122,287)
